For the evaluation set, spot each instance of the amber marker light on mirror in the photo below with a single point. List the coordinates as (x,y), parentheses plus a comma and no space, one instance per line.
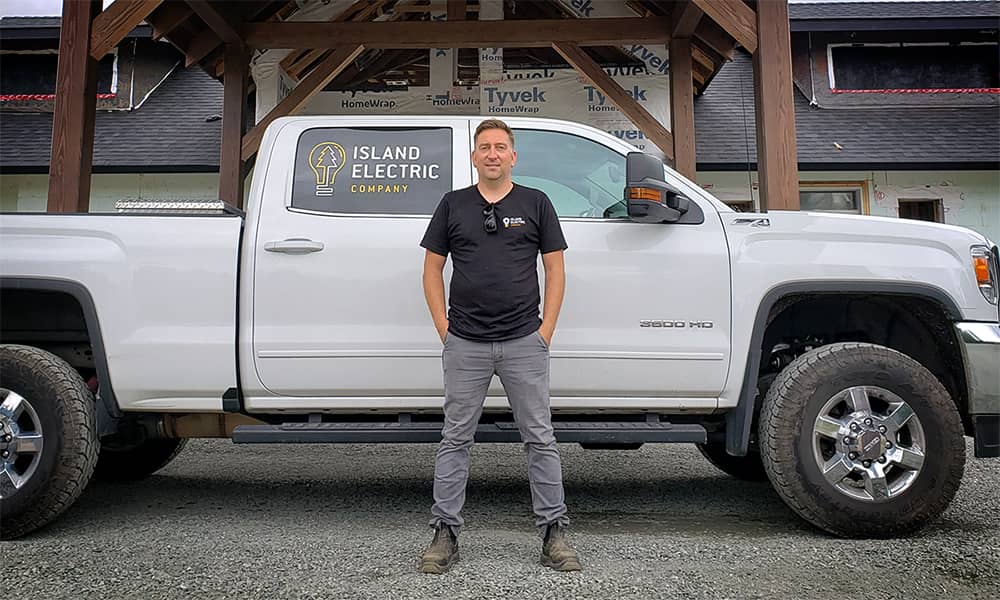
(640,193)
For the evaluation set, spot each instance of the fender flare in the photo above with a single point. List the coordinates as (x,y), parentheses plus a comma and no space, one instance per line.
(108,412)
(740,419)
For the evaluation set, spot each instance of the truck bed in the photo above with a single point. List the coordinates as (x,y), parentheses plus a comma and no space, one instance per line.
(163,288)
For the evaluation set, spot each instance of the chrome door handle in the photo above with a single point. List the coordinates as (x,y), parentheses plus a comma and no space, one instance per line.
(294,246)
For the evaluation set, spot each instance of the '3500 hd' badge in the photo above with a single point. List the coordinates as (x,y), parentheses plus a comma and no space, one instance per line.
(671,324)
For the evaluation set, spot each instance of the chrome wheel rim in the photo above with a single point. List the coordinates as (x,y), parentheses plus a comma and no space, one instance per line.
(21,441)
(868,443)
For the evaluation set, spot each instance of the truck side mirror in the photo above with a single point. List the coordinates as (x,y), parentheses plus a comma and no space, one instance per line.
(648,197)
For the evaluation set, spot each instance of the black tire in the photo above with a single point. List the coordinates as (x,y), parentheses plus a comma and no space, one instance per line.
(748,467)
(65,413)
(135,461)
(787,436)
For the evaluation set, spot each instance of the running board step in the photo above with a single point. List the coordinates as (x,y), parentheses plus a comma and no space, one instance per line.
(626,432)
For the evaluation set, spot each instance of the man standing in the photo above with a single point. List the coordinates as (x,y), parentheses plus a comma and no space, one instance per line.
(494,231)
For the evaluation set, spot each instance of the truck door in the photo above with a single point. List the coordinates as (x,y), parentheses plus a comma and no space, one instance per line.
(646,313)
(338,307)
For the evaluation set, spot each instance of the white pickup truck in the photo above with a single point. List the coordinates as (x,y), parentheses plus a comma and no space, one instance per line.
(844,358)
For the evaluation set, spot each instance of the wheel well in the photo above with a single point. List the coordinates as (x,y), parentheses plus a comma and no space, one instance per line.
(50,320)
(916,326)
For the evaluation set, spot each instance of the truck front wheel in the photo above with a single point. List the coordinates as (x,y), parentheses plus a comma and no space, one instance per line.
(48,438)
(862,441)
(123,462)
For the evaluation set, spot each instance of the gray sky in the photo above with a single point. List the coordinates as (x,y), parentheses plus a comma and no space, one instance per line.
(53,8)
(33,8)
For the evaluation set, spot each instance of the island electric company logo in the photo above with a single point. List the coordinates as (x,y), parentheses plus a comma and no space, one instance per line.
(326,159)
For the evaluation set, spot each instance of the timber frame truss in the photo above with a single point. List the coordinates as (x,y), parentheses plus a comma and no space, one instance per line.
(220,37)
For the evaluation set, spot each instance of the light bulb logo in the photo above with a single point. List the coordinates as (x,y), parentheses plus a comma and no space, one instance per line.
(326,159)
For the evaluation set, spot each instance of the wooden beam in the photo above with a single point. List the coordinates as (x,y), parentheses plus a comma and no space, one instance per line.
(215,21)
(647,123)
(716,38)
(73,118)
(297,68)
(703,58)
(169,18)
(234,101)
(434,7)
(682,107)
(306,89)
(200,46)
(777,160)
(738,19)
(686,17)
(457,10)
(298,61)
(699,77)
(526,33)
(111,26)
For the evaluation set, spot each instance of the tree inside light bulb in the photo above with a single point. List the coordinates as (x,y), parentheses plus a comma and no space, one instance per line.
(326,159)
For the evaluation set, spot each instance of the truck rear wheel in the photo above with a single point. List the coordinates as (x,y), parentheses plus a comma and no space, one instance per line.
(48,438)
(123,462)
(862,441)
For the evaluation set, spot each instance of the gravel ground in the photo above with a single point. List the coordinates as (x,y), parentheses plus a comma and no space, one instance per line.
(327,521)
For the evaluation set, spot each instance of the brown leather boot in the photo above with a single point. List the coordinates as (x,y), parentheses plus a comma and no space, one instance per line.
(442,553)
(556,551)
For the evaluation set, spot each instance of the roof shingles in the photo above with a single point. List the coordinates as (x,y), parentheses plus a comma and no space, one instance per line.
(173,128)
(725,130)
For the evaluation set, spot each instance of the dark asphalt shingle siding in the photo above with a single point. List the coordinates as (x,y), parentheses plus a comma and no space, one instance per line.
(168,130)
(880,135)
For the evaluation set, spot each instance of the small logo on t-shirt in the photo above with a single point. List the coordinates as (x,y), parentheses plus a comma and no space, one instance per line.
(513,221)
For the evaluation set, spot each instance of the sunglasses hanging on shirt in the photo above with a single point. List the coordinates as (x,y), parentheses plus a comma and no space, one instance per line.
(490,219)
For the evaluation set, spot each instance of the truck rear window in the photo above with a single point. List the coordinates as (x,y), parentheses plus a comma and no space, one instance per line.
(372,170)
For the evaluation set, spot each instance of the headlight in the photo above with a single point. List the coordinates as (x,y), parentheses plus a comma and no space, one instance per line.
(984,263)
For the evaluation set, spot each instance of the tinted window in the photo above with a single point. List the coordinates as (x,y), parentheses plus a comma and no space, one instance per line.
(36,74)
(582,177)
(916,67)
(372,171)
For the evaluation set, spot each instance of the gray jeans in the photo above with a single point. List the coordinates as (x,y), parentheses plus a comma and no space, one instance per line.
(523,367)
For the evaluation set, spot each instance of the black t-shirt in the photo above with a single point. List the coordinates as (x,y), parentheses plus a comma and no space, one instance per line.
(494,284)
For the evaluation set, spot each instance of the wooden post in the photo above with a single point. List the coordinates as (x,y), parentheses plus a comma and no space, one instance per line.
(682,107)
(73,120)
(777,156)
(234,100)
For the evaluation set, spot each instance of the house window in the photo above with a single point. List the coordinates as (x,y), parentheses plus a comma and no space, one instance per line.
(921,210)
(840,197)
(914,67)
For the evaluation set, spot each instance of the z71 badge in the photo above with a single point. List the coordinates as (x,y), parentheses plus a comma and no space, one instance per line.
(670,324)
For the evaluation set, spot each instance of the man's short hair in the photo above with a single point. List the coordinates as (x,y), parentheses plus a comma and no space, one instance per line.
(494,124)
